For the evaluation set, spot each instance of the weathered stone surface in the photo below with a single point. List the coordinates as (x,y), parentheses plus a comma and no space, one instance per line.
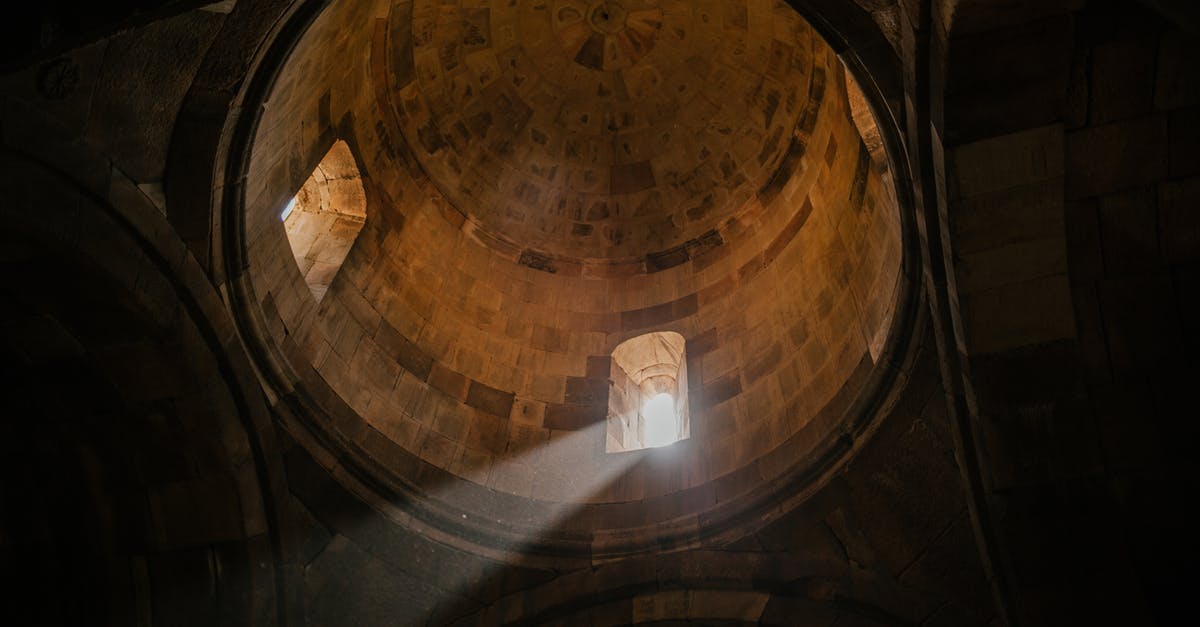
(1176,80)
(1011,78)
(1117,156)
(424,440)
(562,417)
(138,95)
(1178,227)
(1010,216)
(1014,160)
(1121,86)
(489,399)
(1020,314)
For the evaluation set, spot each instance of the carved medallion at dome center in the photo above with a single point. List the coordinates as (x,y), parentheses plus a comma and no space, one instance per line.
(607,35)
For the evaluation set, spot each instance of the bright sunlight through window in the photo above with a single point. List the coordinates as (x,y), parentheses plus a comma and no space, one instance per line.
(647,393)
(661,426)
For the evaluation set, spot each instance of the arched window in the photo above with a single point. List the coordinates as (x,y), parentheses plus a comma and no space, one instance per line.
(647,401)
(325,217)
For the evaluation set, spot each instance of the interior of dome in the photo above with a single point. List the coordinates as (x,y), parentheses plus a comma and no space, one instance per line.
(547,180)
(358,313)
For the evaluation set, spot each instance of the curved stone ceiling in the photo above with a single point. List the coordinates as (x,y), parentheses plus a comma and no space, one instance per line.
(463,353)
(603,129)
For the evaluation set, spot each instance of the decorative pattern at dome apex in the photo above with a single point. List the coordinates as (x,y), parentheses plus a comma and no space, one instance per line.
(607,35)
(601,129)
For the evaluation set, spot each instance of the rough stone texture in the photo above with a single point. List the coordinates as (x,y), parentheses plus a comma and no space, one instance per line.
(127,445)
(186,443)
(602,131)
(1071,364)
(498,319)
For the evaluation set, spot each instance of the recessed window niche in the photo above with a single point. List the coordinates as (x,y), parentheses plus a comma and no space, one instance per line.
(647,401)
(325,217)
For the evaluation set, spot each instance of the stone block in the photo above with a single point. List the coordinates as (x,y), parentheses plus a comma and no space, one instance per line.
(783,610)
(949,564)
(438,450)
(175,577)
(584,391)
(635,319)
(788,233)
(548,387)
(700,345)
(1084,247)
(1179,220)
(1129,232)
(345,341)
(550,339)
(1115,157)
(1141,323)
(1130,441)
(632,177)
(142,371)
(1177,83)
(1121,86)
(449,382)
(372,369)
(739,605)
(1019,314)
(763,363)
(1184,127)
(978,16)
(452,420)
(1089,326)
(660,606)
(1186,280)
(130,115)
(490,400)
(1014,263)
(407,354)
(564,417)
(1008,161)
(720,390)
(487,433)
(199,511)
(1008,79)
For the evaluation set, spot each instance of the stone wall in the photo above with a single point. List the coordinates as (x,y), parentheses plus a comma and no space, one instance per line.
(1072,208)
(139,464)
(156,471)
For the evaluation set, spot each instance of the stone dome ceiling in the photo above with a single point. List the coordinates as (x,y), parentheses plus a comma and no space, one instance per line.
(385,413)
(545,181)
(603,129)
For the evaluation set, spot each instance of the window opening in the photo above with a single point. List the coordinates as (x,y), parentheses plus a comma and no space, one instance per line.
(325,217)
(659,414)
(287,210)
(647,401)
